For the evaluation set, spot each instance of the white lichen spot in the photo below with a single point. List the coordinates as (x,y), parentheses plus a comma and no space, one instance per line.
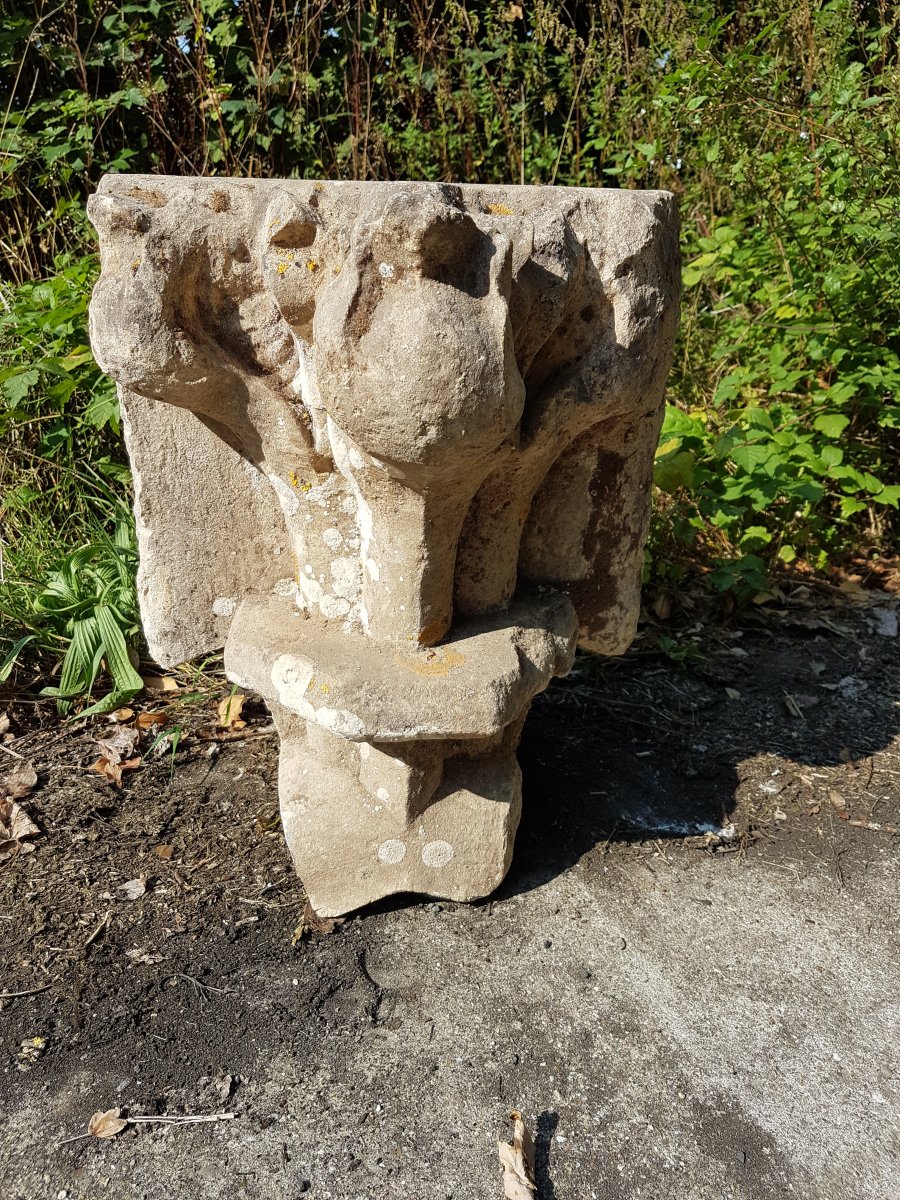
(436,854)
(383,795)
(284,587)
(309,590)
(224,606)
(332,607)
(339,721)
(392,851)
(345,578)
(332,538)
(308,569)
(373,569)
(386,270)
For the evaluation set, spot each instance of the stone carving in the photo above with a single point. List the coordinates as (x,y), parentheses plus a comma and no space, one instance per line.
(392,447)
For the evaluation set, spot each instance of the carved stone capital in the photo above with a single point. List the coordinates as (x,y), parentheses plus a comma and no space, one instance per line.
(392,447)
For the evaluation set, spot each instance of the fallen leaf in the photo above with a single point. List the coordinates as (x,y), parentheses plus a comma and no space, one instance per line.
(121,715)
(4,722)
(517,1161)
(113,770)
(792,706)
(139,955)
(835,799)
(146,720)
(106,1124)
(160,683)
(165,851)
(133,889)
(732,693)
(118,745)
(18,780)
(662,606)
(311,922)
(230,712)
(15,826)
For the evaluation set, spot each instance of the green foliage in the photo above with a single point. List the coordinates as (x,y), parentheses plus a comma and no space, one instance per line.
(777,126)
(88,606)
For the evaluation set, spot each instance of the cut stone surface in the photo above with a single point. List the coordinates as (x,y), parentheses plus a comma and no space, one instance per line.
(392,447)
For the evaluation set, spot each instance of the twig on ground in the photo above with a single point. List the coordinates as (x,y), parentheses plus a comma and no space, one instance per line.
(103,924)
(28,992)
(875,826)
(120,1122)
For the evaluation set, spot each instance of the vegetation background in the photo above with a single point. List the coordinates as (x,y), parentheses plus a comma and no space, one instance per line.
(776,123)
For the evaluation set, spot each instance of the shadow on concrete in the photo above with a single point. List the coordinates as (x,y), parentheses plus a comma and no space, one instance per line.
(546,1127)
(639,749)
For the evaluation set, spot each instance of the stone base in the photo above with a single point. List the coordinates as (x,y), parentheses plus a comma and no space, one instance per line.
(352,845)
(374,799)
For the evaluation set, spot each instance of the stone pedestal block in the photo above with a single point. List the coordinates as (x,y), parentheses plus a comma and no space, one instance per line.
(392,447)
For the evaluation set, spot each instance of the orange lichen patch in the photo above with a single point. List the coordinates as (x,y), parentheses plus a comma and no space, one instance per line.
(500,210)
(312,265)
(282,267)
(433,662)
(135,265)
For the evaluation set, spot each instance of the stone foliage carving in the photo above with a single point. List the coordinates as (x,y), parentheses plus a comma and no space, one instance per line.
(392,447)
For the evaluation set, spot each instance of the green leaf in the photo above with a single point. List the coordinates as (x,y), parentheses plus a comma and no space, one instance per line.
(115,651)
(9,661)
(831,424)
(16,387)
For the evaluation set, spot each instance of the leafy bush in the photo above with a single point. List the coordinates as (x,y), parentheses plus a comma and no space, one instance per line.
(776,125)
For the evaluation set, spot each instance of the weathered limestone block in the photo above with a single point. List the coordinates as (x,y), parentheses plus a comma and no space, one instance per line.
(392,447)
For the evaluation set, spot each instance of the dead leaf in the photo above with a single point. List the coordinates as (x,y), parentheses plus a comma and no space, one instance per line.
(732,693)
(160,683)
(139,955)
(792,706)
(113,770)
(514,13)
(230,712)
(311,922)
(146,720)
(15,826)
(118,745)
(133,889)
(517,1161)
(835,799)
(662,606)
(121,715)
(18,780)
(106,1124)
(165,851)
(4,723)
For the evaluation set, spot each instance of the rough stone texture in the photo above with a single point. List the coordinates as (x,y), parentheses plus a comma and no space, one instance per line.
(392,446)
